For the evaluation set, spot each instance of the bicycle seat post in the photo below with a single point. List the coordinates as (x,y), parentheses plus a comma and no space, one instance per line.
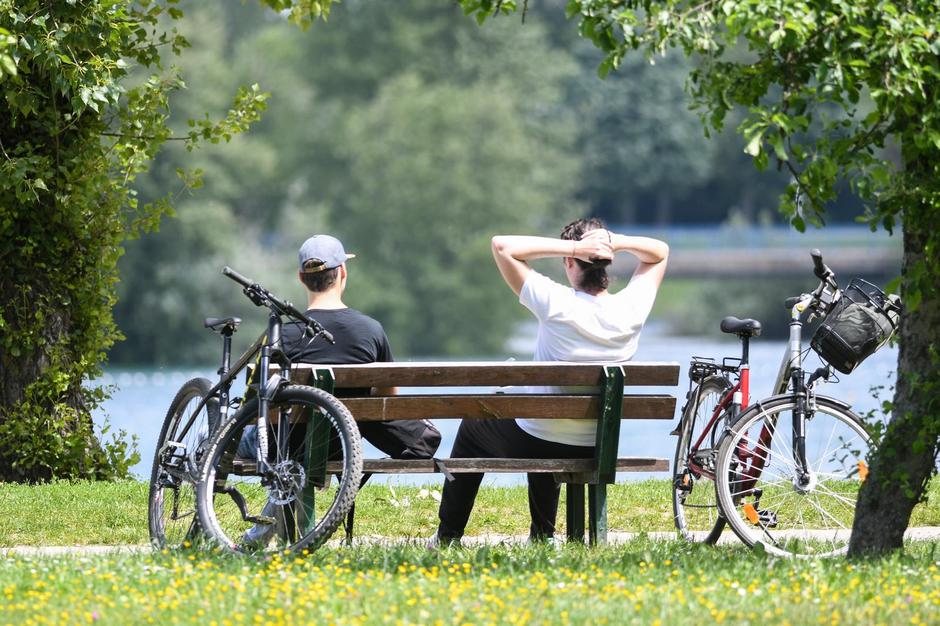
(744,329)
(742,395)
(226,351)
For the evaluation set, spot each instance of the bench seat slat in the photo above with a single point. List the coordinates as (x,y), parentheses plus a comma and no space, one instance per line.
(494,374)
(463,466)
(648,406)
(474,465)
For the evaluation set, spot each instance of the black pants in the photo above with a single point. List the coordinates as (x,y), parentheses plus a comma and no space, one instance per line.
(400,439)
(502,438)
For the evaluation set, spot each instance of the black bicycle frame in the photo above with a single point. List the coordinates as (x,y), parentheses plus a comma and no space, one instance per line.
(267,387)
(227,374)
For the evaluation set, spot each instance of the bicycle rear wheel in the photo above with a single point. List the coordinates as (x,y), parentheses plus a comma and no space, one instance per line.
(694,501)
(171,510)
(295,504)
(772,506)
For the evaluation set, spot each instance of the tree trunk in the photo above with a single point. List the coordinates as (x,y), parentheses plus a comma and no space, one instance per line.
(39,415)
(906,459)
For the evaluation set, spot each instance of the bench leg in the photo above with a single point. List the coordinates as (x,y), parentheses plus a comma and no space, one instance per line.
(597,513)
(575,510)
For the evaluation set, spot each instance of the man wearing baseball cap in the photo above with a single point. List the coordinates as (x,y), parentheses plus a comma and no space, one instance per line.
(358,339)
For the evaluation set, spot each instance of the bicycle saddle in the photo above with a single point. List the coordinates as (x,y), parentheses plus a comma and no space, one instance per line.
(734,326)
(222,324)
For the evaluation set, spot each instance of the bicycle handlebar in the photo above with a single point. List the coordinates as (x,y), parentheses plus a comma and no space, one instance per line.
(819,268)
(827,278)
(262,297)
(238,278)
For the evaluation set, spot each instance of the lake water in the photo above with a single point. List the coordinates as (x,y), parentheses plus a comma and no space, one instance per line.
(141,397)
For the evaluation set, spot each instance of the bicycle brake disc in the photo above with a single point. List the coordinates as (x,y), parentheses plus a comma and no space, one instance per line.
(287,482)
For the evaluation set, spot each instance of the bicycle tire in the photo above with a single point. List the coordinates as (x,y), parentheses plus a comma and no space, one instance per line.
(775,510)
(694,501)
(171,504)
(288,513)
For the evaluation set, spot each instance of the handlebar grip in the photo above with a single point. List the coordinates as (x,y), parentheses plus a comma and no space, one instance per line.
(819,268)
(328,336)
(238,278)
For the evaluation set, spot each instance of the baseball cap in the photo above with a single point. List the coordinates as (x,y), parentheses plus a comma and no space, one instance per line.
(321,253)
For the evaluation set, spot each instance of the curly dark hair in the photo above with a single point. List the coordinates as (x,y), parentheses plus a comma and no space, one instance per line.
(594,278)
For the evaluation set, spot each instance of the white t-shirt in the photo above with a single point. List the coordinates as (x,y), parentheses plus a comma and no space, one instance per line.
(576,326)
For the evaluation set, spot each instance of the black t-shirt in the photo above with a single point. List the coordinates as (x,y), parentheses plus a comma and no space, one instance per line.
(359,339)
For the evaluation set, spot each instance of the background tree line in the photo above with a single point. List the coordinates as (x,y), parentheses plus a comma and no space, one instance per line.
(415,135)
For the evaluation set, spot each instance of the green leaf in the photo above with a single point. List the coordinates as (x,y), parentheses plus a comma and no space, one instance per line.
(776,141)
(573,8)
(7,65)
(753,146)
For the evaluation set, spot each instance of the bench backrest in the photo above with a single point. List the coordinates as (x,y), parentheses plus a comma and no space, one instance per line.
(605,399)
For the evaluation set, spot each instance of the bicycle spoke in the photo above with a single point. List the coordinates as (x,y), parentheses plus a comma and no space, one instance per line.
(822,457)
(291,502)
(807,517)
(778,457)
(847,502)
(824,512)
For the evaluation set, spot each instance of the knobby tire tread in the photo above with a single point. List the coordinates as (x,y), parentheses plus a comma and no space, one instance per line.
(349,486)
(193,388)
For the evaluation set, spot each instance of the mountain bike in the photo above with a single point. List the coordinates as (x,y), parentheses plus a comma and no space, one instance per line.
(249,473)
(790,491)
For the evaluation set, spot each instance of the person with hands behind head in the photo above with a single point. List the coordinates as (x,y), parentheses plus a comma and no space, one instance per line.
(582,322)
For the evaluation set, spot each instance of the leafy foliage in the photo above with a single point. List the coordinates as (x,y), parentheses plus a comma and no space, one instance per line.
(75,133)
(413,124)
(467,159)
(589,146)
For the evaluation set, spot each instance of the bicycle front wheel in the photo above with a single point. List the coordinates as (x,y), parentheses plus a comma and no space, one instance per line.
(769,501)
(694,502)
(301,493)
(171,510)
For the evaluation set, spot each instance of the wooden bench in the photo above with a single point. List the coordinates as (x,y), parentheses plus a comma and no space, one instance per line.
(482,396)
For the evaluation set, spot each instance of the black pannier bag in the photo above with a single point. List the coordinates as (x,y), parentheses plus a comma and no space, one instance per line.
(860,322)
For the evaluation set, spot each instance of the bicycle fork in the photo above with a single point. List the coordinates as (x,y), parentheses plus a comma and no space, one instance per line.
(803,474)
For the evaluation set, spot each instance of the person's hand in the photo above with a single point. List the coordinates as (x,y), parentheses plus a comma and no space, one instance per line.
(595,247)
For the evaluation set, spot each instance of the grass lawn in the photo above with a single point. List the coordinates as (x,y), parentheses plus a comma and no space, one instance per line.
(638,582)
(86,513)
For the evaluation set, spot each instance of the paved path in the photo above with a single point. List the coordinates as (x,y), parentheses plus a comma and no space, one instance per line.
(921,533)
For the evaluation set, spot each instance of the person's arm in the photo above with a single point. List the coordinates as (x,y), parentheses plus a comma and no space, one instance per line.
(383,355)
(512,253)
(652,253)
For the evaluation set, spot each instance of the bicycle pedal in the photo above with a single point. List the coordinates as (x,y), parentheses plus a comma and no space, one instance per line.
(171,456)
(768,519)
(684,482)
(760,517)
